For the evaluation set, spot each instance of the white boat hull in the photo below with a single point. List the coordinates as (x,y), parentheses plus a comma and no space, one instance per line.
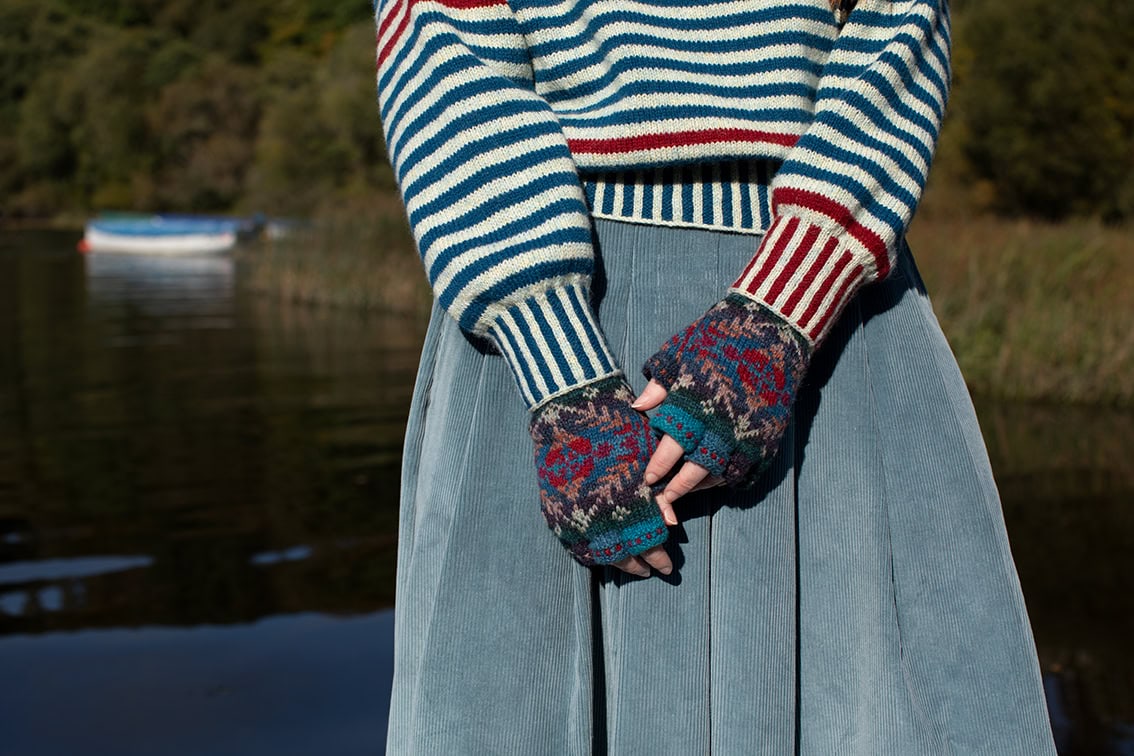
(95,240)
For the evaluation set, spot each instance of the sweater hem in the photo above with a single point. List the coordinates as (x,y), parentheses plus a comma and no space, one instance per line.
(729,196)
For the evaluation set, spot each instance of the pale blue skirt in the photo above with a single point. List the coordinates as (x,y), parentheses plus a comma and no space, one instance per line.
(862,600)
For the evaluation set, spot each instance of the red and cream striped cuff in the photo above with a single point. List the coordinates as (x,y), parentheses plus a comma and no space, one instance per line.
(804,274)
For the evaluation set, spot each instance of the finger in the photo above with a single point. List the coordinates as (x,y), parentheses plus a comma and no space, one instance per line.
(658,559)
(633,566)
(685,481)
(710,482)
(663,459)
(666,508)
(651,396)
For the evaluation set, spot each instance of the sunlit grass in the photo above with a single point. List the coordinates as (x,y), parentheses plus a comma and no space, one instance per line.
(1034,310)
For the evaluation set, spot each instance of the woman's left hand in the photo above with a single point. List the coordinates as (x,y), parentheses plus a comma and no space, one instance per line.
(690,477)
(724,389)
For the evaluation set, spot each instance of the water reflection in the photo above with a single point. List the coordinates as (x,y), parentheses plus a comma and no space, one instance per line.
(291,685)
(1066,476)
(148,407)
(200,487)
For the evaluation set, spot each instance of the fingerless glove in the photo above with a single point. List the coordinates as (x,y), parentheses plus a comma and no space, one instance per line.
(732,378)
(591,450)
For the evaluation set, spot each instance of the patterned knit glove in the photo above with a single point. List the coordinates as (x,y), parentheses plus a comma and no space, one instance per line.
(591,450)
(732,377)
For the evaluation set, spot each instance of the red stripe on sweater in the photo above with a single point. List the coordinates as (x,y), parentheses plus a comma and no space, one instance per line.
(841,215)
(840,299)
(404,8)
(797,256)
(853,279)
(777,251)
(837,269)
(403,14)
(739,282)
(821,260)
(675,139)
(466,4)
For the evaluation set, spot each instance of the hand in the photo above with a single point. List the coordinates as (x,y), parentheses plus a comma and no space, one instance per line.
(591,450)
(690,476)
(728,384)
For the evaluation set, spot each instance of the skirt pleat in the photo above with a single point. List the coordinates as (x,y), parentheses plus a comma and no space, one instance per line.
(861,599)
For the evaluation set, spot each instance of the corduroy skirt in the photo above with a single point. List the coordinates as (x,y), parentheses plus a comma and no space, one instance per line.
(862,599)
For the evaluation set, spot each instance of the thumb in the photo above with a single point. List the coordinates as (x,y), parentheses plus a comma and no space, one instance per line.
(653,395)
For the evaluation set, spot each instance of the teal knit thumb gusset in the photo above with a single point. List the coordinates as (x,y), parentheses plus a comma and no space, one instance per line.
(732,377)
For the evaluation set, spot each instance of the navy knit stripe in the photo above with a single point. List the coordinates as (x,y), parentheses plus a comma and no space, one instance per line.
(533,346)
(588,328)
(752,16)
(523,371)
(560,305)
(652,116)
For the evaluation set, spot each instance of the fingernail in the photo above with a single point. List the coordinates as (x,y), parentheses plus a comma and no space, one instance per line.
(670,518)
(637,403)
(665,570)
(651,478)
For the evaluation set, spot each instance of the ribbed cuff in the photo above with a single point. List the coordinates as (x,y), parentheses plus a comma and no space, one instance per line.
(553,344)
(802,273)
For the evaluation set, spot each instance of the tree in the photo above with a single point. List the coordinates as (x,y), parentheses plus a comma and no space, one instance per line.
(1047,103)
(204,128)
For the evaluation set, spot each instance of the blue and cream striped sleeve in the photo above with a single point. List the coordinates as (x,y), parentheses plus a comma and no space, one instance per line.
(848,188)
(492,193)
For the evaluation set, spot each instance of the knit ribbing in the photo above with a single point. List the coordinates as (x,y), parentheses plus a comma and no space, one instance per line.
(552,343)
(724,196)
(803,273)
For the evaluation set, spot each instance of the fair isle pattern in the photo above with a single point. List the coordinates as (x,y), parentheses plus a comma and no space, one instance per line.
(733,196)
(553,344)
(493,111)
(732,378)
(591,450)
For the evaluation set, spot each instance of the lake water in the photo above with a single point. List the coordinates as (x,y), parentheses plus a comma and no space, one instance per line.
(198,506)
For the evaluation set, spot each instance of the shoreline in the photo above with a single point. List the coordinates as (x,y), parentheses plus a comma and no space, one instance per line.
(1034,312)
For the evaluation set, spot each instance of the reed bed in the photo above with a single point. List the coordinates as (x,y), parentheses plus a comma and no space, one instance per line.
(364,260)
(1034,311)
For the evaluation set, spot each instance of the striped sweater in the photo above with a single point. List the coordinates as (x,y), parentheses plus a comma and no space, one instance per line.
(511,123)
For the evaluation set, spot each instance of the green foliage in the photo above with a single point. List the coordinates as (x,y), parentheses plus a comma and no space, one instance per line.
(1045,96)
(186,105)
(319,137)
(205,125)
(258,105)
(34,37)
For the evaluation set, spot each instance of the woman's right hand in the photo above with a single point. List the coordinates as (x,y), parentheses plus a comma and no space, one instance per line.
(591,452)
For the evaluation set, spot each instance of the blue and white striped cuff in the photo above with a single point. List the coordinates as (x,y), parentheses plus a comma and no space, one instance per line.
(553,344)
